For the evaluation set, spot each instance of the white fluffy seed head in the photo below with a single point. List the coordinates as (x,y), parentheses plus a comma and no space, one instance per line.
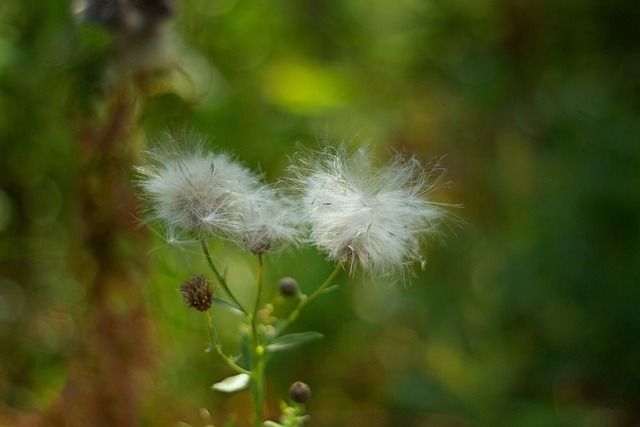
(368,218)
(196,192)
(270,218)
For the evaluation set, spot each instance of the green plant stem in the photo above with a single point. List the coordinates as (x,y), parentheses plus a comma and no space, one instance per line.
(259,293)
(221,280)
(257,384)
(213,335)
(258,365)
(304,300)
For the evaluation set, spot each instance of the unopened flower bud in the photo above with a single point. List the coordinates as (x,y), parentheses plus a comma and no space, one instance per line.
(288,286)
(299,392)
(197,293)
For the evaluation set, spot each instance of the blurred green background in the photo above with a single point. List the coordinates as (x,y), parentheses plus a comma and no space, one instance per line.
(527,315)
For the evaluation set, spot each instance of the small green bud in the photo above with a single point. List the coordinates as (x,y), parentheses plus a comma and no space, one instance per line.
(299,392)
(288,286)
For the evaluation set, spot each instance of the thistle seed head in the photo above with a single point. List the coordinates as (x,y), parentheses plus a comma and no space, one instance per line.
(197,192)
(197,293)
(369,218)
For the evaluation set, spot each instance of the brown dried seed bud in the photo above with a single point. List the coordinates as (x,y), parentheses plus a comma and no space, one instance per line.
(197,293)
(299,392)
(288,286)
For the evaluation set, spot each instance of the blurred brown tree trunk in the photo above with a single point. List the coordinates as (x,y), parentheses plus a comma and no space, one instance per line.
(107,378)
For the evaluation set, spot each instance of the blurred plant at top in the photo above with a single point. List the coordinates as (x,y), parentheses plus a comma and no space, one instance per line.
(140,29)
(126,45)
(365,219)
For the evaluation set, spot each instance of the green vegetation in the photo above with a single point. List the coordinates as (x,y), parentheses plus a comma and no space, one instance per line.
(526,315)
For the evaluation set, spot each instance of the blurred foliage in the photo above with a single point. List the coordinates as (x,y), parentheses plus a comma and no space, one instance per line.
(528,315)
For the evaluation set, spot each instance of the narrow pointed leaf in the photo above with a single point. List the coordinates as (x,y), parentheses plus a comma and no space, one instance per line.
(229,306)
(289,341)
(232,384)
(331,289)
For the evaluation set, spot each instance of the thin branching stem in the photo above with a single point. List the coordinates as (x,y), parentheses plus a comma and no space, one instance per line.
(219,277)
(306,300)
(258,374)
(215,342)
(260,288)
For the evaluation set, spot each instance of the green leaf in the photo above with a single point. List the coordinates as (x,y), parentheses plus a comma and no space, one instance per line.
(232,384)
(229,306)
(289,341)
(331,289)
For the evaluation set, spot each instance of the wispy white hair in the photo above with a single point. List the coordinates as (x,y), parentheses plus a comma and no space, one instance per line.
(366,217)
(192,190)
